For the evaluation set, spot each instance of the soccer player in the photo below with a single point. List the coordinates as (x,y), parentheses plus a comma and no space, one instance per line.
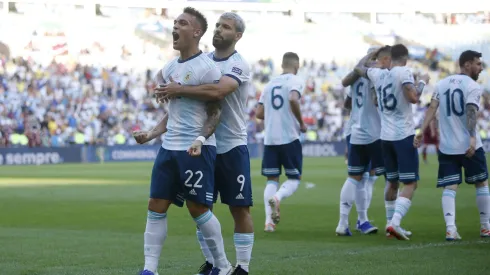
(232,176)
(458,100)
(184,167)
(364,148)
(396,93)
(431,137)
(279,107)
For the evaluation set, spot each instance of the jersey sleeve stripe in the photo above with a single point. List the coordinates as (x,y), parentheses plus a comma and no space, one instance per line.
(292,91)
(407,82)
(236,78)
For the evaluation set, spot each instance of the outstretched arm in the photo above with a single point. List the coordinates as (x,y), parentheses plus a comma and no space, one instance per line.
(210,92)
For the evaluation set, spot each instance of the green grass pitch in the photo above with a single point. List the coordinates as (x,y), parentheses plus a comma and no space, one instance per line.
(89,219)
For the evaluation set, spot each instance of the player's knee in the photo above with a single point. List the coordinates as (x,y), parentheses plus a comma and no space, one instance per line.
(196,209)
(411,185)
(394,185)
(453,187)
(240,213)
(356,177)
(481,184)
(276,179)
(158,205)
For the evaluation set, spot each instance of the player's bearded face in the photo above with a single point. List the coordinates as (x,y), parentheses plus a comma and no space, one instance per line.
(476,69)
(224,34)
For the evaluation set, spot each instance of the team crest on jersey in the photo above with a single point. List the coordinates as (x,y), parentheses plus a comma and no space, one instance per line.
(236,70)
(187,76)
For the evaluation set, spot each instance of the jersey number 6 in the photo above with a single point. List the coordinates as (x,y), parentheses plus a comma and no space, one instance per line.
(276,99)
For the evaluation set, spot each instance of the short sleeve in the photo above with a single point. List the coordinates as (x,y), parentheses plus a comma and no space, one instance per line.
(348,93)
(212,76)
(372,74)
(435,94)
(297,84)
(407,77)
(474,94)
(240,71)
(261,99)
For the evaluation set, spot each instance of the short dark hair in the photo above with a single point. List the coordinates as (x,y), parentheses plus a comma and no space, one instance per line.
(290,56)
(468,56)
(201,19)
(399,51)
(383,50)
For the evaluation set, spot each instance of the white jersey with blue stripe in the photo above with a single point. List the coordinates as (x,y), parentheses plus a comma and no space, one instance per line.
(396,111)
(366,124)
(454,93)
(186,116)
(281,126)
(232,130)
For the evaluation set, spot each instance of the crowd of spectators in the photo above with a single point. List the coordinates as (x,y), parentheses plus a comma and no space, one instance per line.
(64,104)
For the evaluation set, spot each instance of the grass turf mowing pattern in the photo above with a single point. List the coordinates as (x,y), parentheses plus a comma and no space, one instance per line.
(90,218)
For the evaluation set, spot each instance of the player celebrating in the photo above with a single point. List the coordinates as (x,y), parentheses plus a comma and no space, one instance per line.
(364,148)
(179,175)
(232,175)
(458,98)
(283,123)
(396,92)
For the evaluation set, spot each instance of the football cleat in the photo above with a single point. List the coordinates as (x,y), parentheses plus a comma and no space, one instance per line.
(205,269)
(276,213)
(484,233)
(452,236)
(239,271)
(343,231)
(147,272)
(406,232)
(397,232)
(270,227)
(367,228)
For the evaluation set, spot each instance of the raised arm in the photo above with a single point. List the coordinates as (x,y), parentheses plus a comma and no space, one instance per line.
(362,68)
(350,79)
(412,93)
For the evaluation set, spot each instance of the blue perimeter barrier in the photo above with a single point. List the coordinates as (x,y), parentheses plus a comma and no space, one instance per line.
(127,153)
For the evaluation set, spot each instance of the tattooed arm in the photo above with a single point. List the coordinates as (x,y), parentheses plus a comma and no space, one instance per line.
(471,115)
(213,110)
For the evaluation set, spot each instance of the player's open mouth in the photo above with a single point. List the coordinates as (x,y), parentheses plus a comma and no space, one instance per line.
(175,36)
(217,37)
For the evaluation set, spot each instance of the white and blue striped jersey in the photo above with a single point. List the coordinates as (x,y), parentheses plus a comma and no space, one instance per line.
(366,124)
(232,130)
(395,110)
(281,126)
(186,116)
(454,93)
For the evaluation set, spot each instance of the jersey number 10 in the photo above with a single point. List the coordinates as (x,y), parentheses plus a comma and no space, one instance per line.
(451,102)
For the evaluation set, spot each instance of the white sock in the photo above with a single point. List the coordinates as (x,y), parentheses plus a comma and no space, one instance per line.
(449,208)
(390,210)
(244,243)
(287,189)
(347,198)
(369,189)
(204,247)
(270,190)
(361,202)
(211,232)
(155,235)
(483,203)
(401,208)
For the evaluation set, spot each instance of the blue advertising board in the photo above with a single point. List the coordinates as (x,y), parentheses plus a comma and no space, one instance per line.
(40,155)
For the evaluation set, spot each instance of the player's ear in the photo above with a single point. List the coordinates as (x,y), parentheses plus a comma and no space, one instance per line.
(197,33)
(238,36)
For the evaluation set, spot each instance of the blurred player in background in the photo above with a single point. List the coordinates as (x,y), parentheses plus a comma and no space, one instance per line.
(458,100)
(431,137)
(279,107)
(365,158)
(232,177)
(179,175)
(396,93)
